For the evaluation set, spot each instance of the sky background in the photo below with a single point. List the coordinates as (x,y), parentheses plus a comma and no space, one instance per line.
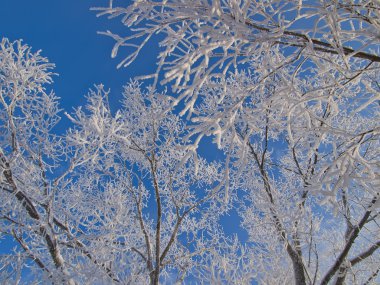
(66,32)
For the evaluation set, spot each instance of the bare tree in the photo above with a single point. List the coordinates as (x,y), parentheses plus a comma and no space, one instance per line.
(110,200)
(204,39)
(154,216)
(27,152)
(290,91)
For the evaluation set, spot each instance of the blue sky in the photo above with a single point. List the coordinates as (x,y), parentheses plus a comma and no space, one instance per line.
(66,32)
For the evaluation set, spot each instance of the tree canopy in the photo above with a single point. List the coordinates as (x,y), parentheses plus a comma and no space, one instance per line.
(288,91)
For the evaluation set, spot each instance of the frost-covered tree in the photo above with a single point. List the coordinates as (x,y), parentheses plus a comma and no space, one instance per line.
(312,182)
(153,213)
(289,90)
(205,39)
(27,152)
(113,200)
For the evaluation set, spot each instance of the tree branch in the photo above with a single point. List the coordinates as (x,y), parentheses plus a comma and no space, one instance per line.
(365,254)
(352,237)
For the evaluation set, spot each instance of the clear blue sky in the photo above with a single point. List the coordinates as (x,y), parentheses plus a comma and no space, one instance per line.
(66,32)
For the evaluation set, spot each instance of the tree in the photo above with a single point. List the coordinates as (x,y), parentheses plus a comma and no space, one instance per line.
(290,92)
(26,153)
(109,201)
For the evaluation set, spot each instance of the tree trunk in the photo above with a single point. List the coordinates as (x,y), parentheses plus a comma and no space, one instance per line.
(299,273)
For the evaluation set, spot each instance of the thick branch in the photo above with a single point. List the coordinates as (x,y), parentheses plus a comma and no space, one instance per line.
(158,223)
(352,237)
(20,196)
(318,44)
(365,254)
(295,256)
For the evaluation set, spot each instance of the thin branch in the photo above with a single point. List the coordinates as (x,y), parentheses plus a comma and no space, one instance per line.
(29,252)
